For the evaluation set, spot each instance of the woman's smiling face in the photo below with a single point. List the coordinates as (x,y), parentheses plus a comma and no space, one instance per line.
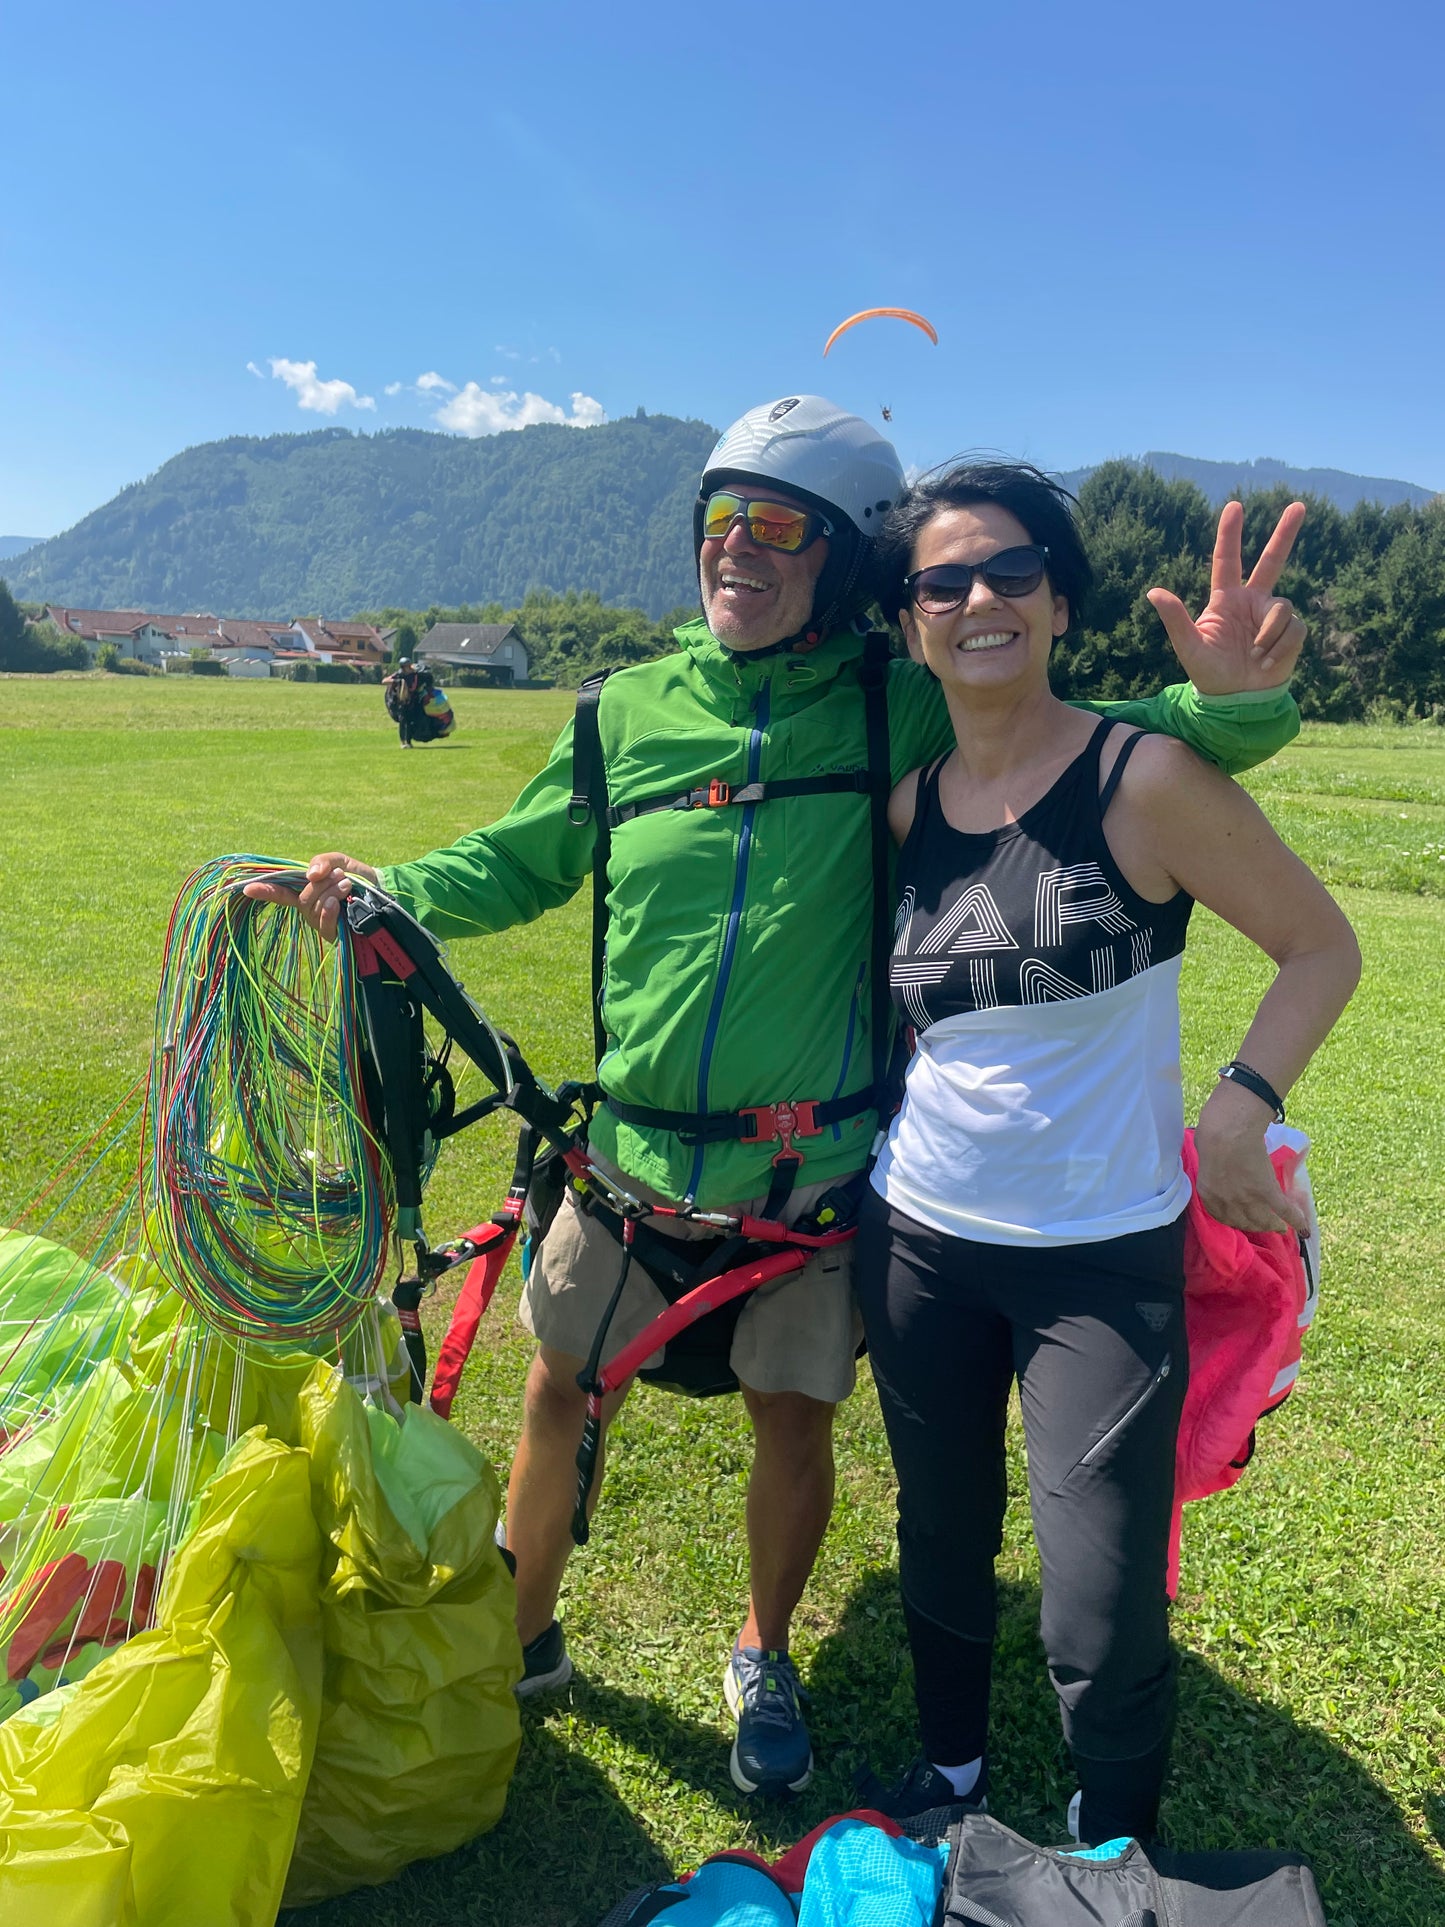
(989,641)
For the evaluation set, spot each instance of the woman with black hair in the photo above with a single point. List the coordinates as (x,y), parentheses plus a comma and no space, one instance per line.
(1025,1221)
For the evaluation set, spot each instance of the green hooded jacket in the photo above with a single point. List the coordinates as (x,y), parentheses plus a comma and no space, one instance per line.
(737,962)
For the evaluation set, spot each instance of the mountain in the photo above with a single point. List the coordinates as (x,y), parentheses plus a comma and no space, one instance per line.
(1220,480)
(16,545)
(331,522)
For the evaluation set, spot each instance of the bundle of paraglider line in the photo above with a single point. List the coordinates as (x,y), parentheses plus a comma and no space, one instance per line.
(257,1634)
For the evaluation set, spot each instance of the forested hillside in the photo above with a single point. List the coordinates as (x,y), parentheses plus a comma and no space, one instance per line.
(332,522)
(1220,480)
(1371,584)
(583,538)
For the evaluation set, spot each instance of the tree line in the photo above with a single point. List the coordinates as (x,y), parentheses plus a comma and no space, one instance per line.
(1370,581)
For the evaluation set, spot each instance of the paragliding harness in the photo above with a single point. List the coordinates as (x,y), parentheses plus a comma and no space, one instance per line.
(413,711)
(412,1095)
(706,1291)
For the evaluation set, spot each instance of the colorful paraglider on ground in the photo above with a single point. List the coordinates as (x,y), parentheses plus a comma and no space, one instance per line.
(257,1640)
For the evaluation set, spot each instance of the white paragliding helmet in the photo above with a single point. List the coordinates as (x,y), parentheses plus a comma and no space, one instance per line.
(833,462)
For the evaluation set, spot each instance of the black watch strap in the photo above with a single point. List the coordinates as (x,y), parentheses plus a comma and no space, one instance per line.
(1245,1074)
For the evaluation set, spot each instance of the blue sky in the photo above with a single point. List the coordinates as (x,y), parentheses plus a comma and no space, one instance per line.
(1216,231)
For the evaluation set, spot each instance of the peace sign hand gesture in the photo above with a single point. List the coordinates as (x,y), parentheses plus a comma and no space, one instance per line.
(1246,636)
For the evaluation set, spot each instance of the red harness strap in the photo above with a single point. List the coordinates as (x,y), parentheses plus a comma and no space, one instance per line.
(494,1243)
(695,1304)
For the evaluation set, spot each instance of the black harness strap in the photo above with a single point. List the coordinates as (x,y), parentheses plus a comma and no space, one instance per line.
(720,795)
(874,677)
(589,798)
(718,1127)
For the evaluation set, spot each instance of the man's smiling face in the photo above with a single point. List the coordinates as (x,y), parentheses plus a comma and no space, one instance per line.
(753,597)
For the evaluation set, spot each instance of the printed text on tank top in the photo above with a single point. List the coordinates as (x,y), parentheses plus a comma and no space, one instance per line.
(1035,911)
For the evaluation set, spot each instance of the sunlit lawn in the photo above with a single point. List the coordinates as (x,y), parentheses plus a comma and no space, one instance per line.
(1309,1621)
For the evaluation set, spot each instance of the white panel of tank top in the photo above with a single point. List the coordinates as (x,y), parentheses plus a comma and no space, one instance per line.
(1056,1122)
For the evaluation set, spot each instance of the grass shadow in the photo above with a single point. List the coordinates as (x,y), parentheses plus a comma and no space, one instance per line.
(1245,1774)
(567,1847)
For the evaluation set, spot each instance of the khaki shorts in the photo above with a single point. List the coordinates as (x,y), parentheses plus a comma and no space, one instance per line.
(799,1334)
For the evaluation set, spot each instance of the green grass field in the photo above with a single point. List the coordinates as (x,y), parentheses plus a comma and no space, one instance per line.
(1309,1619)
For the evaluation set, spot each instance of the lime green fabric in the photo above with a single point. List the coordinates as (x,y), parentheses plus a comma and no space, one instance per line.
(737,960)
(165,1788)
(419,1726)
(335,1648)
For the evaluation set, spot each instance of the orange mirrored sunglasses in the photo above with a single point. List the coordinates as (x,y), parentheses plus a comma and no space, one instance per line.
(772,525)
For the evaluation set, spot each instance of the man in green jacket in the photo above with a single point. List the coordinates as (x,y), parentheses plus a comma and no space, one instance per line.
(737,975)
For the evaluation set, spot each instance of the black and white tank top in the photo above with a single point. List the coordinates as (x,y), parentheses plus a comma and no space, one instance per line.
(1043,1104)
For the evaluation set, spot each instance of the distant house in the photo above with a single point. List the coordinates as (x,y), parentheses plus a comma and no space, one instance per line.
(476,645)
(230,639)
(134,633)
(353,642)
(235,640)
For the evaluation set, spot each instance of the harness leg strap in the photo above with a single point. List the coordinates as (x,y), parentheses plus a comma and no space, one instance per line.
(592,1381)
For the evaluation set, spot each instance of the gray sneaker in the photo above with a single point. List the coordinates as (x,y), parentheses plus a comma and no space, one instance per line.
(545,1663)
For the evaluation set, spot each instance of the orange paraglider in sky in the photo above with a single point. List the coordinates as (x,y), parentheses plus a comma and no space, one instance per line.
(895,314)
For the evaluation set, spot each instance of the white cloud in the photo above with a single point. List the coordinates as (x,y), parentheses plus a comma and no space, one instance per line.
(393,388)
(321,397)
(475,411)
(252,369)
(433,383)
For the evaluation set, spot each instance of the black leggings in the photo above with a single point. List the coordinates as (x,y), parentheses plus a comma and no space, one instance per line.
(1094,1334)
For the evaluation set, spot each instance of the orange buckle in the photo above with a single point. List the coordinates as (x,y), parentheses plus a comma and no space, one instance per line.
(786,1121)
(718,793)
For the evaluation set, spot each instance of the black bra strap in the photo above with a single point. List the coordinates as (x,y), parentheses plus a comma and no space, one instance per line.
(1106,794)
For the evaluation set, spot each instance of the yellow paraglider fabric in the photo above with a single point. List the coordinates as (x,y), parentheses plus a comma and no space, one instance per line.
(165,1788)
(419,1725)
(337,1577)
(892,314)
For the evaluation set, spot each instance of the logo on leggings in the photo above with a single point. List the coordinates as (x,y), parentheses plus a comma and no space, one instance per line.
(1156,1317)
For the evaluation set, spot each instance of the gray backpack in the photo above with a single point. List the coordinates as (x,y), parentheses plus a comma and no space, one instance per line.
(997,1879)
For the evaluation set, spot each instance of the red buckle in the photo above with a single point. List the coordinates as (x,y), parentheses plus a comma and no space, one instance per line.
(786,1121)
(718,793)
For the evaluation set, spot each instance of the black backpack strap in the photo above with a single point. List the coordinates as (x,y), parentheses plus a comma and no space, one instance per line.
(589,798)
(874,677)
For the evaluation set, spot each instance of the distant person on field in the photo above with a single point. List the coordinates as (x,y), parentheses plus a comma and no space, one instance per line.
(737,977)
(405,698)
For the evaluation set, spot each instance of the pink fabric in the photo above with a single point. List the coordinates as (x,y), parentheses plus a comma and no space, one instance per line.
(1244,1292)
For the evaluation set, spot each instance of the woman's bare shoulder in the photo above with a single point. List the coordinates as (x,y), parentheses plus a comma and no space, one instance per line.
(1160,769)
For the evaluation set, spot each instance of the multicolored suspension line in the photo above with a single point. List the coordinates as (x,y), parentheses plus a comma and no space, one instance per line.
(265,1196)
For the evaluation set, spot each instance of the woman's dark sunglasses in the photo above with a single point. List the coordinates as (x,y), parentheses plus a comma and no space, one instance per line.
(1012,572)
